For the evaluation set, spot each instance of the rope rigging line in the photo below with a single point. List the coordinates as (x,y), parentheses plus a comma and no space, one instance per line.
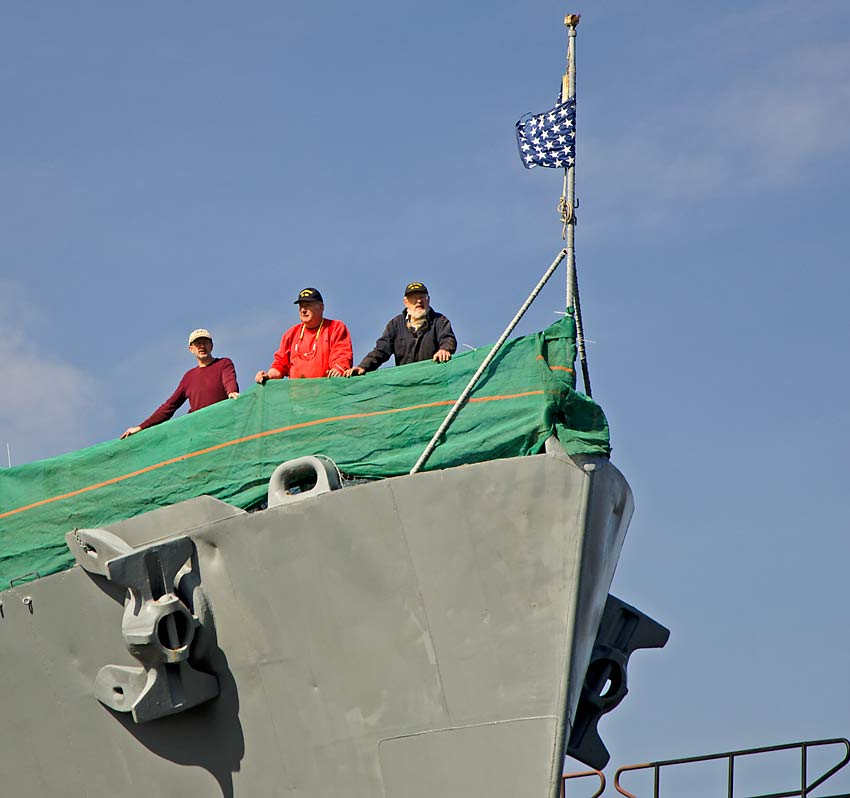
(565,209)
(567,213)
(582,352)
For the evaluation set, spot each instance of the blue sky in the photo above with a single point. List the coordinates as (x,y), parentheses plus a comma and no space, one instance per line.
(186,165)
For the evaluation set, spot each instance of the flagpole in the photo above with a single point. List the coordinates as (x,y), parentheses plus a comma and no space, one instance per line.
(568,204)
(568,91)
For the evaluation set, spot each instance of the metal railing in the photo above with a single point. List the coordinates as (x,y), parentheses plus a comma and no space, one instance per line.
(805,789)
(584,774)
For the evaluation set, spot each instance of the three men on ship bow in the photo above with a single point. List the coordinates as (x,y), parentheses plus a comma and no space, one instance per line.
(315,347)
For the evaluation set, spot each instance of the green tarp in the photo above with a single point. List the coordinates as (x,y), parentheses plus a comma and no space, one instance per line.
(371,426)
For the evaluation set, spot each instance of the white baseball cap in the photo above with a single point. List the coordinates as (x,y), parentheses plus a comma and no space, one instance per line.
(199,333)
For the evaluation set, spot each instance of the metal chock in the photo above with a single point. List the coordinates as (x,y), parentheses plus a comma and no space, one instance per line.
(302,478)
(166,619)
(622,631)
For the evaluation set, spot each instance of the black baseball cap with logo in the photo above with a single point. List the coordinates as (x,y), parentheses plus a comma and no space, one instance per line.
(309,295)
(415,288)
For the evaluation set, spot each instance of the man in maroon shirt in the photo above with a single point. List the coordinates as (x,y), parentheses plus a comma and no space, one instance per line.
(211,381)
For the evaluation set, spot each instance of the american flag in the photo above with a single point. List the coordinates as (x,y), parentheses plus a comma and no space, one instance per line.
(548,139)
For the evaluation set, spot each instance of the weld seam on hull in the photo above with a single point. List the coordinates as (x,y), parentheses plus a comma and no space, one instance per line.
(467,726)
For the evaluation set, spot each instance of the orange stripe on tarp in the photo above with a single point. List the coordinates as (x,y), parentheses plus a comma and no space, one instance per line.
(255,436)
(552,368)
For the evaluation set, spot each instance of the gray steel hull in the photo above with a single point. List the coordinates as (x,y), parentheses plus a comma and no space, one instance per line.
(420,636)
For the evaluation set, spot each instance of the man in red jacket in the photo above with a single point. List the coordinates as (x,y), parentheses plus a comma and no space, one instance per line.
(211,381)
(316,347)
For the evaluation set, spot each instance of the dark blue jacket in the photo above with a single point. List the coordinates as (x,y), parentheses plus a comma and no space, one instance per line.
(409,346)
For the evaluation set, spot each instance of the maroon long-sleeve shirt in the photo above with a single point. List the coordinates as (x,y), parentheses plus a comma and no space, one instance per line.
(202,386)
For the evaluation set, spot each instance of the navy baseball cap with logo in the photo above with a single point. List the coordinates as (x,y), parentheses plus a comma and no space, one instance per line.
(309,295)
(415,288)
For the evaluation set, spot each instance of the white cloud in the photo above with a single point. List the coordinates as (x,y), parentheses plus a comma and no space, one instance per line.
(48,406)
(759,102)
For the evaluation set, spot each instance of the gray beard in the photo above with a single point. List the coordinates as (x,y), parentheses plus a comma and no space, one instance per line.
(417,316)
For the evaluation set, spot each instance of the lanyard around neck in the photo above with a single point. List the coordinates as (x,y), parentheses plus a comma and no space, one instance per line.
(315,340)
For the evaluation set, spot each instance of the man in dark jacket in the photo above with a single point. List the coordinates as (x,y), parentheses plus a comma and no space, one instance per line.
(420,333)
